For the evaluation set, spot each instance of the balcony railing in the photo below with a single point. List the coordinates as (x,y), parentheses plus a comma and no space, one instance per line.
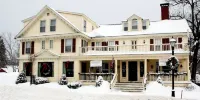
(132,48)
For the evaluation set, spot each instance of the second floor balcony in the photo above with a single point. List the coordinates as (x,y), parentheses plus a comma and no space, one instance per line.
(133,49)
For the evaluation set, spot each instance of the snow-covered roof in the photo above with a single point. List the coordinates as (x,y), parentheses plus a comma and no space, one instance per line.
(158,27)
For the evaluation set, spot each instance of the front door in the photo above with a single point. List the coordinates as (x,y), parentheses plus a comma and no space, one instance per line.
(132,69)
(83,69)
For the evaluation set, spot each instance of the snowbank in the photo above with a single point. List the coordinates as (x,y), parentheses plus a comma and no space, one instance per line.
(8,78)
(154,88)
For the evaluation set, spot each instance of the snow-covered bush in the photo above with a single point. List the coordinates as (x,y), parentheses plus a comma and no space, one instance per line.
(190,87)
(74,85)
(21,78)
(63,80)
(159,80)
(41,80)
(197,78)
(99,81)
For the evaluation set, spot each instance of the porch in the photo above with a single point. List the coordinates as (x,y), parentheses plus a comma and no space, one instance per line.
(133,70)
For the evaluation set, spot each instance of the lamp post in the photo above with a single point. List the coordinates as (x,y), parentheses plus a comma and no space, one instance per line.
(172,43)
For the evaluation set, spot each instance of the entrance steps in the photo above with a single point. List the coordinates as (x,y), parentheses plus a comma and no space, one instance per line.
(129,87)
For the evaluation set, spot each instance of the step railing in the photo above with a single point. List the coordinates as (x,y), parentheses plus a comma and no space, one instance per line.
(144,82)
(113,81)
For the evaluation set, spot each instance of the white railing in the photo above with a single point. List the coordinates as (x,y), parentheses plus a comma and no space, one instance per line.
(132,48)
(113,81)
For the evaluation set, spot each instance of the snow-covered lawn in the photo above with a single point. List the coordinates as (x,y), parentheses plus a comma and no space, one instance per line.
(52,91)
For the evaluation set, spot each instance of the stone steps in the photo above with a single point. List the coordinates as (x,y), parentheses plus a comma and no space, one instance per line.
(129,87)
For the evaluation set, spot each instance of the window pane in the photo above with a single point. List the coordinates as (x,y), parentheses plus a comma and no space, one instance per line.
(53,22)
(68,45)
(51,44)
(28,47)
(43,44)
(42,23)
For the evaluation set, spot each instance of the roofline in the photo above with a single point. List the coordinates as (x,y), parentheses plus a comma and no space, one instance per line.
(80,14)
(29,18)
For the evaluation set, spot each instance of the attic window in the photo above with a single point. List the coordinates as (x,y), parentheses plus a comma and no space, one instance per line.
(134,24)
(47,14)
(125,26)
(144,25)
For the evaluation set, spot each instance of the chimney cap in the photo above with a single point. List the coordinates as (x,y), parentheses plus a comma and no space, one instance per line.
(164,4)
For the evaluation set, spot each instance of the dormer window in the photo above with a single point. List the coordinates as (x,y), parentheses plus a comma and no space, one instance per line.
(144,24)
(134,24)
(126,26)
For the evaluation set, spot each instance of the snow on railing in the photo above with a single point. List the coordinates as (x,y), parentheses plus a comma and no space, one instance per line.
(113,81)
(133,48)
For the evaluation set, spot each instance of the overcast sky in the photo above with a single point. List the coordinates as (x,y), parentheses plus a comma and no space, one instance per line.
(101,11)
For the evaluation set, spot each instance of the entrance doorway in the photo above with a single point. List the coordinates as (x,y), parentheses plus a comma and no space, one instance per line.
(83,69)
(132,70)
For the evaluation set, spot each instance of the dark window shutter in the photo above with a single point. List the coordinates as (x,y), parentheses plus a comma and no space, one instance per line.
(81,43)
(74,45)
(32,47)
(151,41)
(179,40)
(62,45)
(93,44)
(116,42)
(23,47)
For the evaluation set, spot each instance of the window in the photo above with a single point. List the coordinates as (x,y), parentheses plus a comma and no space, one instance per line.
(151,44)
(125,26)
(105,68)
(27,68)
(28,47)
(134,44)
(45,69)
(157,44)
(179,43)
(134,24)
(68,69)
(68,45)
(43,44)
(85,26)
(123,69)
(141,69)
(92,27)
(51,44)
(144,25)
(42,26)
(98,46)
(165,44)
(111,45)
(53,25)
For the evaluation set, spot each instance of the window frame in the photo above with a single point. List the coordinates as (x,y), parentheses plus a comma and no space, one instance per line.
(134,27)
(111,45)
(51,26)
(42,28)
(134,44)
(84,25)
(125,26)
(50,44)
(66,45)
(144,24)
(27,48)
(43,44)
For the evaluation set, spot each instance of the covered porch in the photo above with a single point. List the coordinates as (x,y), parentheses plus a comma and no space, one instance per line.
(92,69)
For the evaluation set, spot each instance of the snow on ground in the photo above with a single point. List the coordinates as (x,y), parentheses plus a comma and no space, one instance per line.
(155,88)
(52,91)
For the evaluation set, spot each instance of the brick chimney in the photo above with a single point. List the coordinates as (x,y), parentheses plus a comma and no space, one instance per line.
(164,11)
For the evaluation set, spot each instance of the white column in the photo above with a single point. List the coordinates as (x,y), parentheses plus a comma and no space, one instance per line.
(145,67)
(116,67)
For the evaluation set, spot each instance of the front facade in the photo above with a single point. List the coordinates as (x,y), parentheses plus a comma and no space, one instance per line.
(53,43)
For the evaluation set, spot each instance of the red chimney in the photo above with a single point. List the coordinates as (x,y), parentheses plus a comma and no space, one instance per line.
(164,11)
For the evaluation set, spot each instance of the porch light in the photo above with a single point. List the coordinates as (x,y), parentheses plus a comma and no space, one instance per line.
(172,42)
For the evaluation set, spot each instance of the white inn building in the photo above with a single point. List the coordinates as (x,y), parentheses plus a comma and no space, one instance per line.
(53,43)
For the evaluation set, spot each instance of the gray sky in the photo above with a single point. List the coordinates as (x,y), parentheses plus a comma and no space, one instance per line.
(101,11)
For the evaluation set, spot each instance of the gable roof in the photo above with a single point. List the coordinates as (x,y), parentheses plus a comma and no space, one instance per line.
(159,27)
(40,13)
(135,16)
